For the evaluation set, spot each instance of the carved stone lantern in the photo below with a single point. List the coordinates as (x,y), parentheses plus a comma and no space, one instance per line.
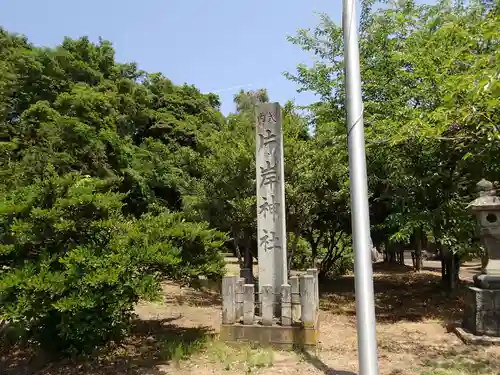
(481,322)
(487,210)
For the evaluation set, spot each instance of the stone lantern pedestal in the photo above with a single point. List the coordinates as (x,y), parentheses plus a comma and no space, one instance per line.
(481,321)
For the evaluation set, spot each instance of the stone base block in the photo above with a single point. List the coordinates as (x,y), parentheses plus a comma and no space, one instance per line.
(471,339)
(482,312)
(485,281)
(282,337)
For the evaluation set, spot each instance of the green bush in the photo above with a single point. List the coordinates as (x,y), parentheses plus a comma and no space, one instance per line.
(302,257)
(73,266)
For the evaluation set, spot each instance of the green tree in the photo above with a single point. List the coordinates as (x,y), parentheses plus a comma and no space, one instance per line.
(429,78)
(100,165)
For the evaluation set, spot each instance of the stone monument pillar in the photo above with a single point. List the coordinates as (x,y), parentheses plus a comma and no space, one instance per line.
(482,310)
(271,226)
(276,313)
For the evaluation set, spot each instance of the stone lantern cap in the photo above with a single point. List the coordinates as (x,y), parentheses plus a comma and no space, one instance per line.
(487,200)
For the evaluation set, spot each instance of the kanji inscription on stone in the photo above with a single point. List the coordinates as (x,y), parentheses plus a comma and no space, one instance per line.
(269,208)
(270,196)
(269,175)
(269,240)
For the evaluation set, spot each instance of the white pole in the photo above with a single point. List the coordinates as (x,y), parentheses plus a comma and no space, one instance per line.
(363,272)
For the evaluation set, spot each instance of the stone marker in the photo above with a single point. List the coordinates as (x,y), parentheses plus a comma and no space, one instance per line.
(248,304)
(229,300)
(295,304)
(271,227)
(294,285)
(314,273)
(307,298)
(267,304)
(286,305)
(240,282)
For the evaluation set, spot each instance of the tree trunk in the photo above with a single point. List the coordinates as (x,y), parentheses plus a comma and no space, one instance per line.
(296,235)
(392,253)
(248,261)
(425,242)
(418,250)
(443,263)
(314,243)
(314,255)
(450,270)
(241,261)
(452,277)
(454,272)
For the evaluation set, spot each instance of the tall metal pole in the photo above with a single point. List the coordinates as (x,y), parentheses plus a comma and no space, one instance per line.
(363,272)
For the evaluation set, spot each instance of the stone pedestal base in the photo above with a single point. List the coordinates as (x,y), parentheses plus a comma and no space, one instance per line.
(482,312)
(486,281)
(281,337)
(288,320)
(470,339)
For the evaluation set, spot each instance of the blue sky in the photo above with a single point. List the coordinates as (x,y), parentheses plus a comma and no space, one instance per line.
(217,45)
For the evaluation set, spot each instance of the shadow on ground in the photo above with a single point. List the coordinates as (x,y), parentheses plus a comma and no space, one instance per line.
(151,343)
(197,298)
(400,295)
(321,366)
(464,360)
(205,293)
(446,359)
(467,272)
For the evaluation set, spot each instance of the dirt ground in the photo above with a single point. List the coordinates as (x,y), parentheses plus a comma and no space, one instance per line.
(179,336)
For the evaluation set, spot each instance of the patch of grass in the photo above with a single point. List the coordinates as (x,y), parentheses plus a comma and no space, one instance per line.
(445,372)
(462,366)
(180,351)
(243,357)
